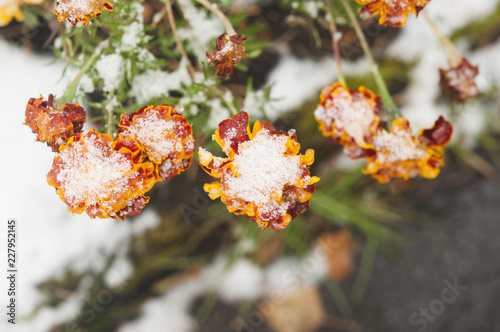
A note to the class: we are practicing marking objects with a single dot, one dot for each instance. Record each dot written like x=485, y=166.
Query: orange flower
x=459, y=81
x=339, y=248
x=90, y=175
x=401, y=154
x=349, y=117
x=54, y=126
x=263, y=177
x=230, y=50
x=11, y=9
x=392, y=12
x=164, y=136
x=80, y=10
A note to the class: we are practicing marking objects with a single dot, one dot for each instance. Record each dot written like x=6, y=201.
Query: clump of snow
x=133, y=35
x=157, y=83
x=243, y=281
x=263, y=169
x=396, y=146
x=157, y=134
x=217, y=113
x=111, y=69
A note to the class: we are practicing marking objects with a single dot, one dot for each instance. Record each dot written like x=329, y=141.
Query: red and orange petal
x=90, y=175
x=392, y=12
x=53, y=126
x=459, y=81
x=229, y=50
x=348, y=116
x=164, y=136
x=80, y=10
x=403, y=155
x=263, y=177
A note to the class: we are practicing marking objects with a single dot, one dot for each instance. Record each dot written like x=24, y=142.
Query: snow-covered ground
x=50, y=238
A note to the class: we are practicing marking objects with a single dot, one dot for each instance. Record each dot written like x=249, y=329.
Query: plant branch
x=453, y=55
x=214, y=9
x=379, y=80
x=335, y=44
x=171, y=20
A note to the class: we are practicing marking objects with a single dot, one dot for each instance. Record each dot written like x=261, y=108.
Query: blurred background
x=420, y=255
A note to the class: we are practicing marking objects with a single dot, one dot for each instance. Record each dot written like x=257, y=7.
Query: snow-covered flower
x=263, y=177
x=459, y=81
x=401, y=154
x=80, y=10
x=164, y=136
x=92, y=174
x=230, y=50
x=349, y=117
x=52, y=125
x=392, y=12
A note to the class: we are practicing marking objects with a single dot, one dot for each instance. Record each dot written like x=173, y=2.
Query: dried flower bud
x=459, y=81
x=90, y=175
x=392, y=12
x=263, y=177
x=230, y=50
x=80, y=10
x=165, y=138
x=53, y=126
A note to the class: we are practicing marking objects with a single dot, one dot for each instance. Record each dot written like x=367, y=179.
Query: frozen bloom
x=263, y=177
x=51, y=125
x=349, y=117
x=11, y=9
x=90, y=175
x=80, y=10
x=459, y=81
x=230, y=50
x=392, y=12
x=164, y=136
x=399, y=153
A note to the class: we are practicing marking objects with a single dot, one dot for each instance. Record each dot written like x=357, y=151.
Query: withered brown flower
x=459, y=81
x=230, y=50
x=392, y=12
x=54, y=126
x=263, y=177
x=80, y=10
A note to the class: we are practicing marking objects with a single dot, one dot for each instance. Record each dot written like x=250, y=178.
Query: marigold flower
x=54, y=126
x=401, y=154
x=459, y=81
x=90, y=175
x=11, y=9
x=392, y=12
x=164, y=136
x=349, y=117
x=263, y=177
x=230, y=50
x=80, y=10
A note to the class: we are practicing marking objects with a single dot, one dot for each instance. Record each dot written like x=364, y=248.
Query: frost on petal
x=263, y=177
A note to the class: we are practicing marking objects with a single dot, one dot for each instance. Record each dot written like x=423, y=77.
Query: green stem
x=366, y=267
x=379, y=80
x=335, y=44
x=69, y=94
